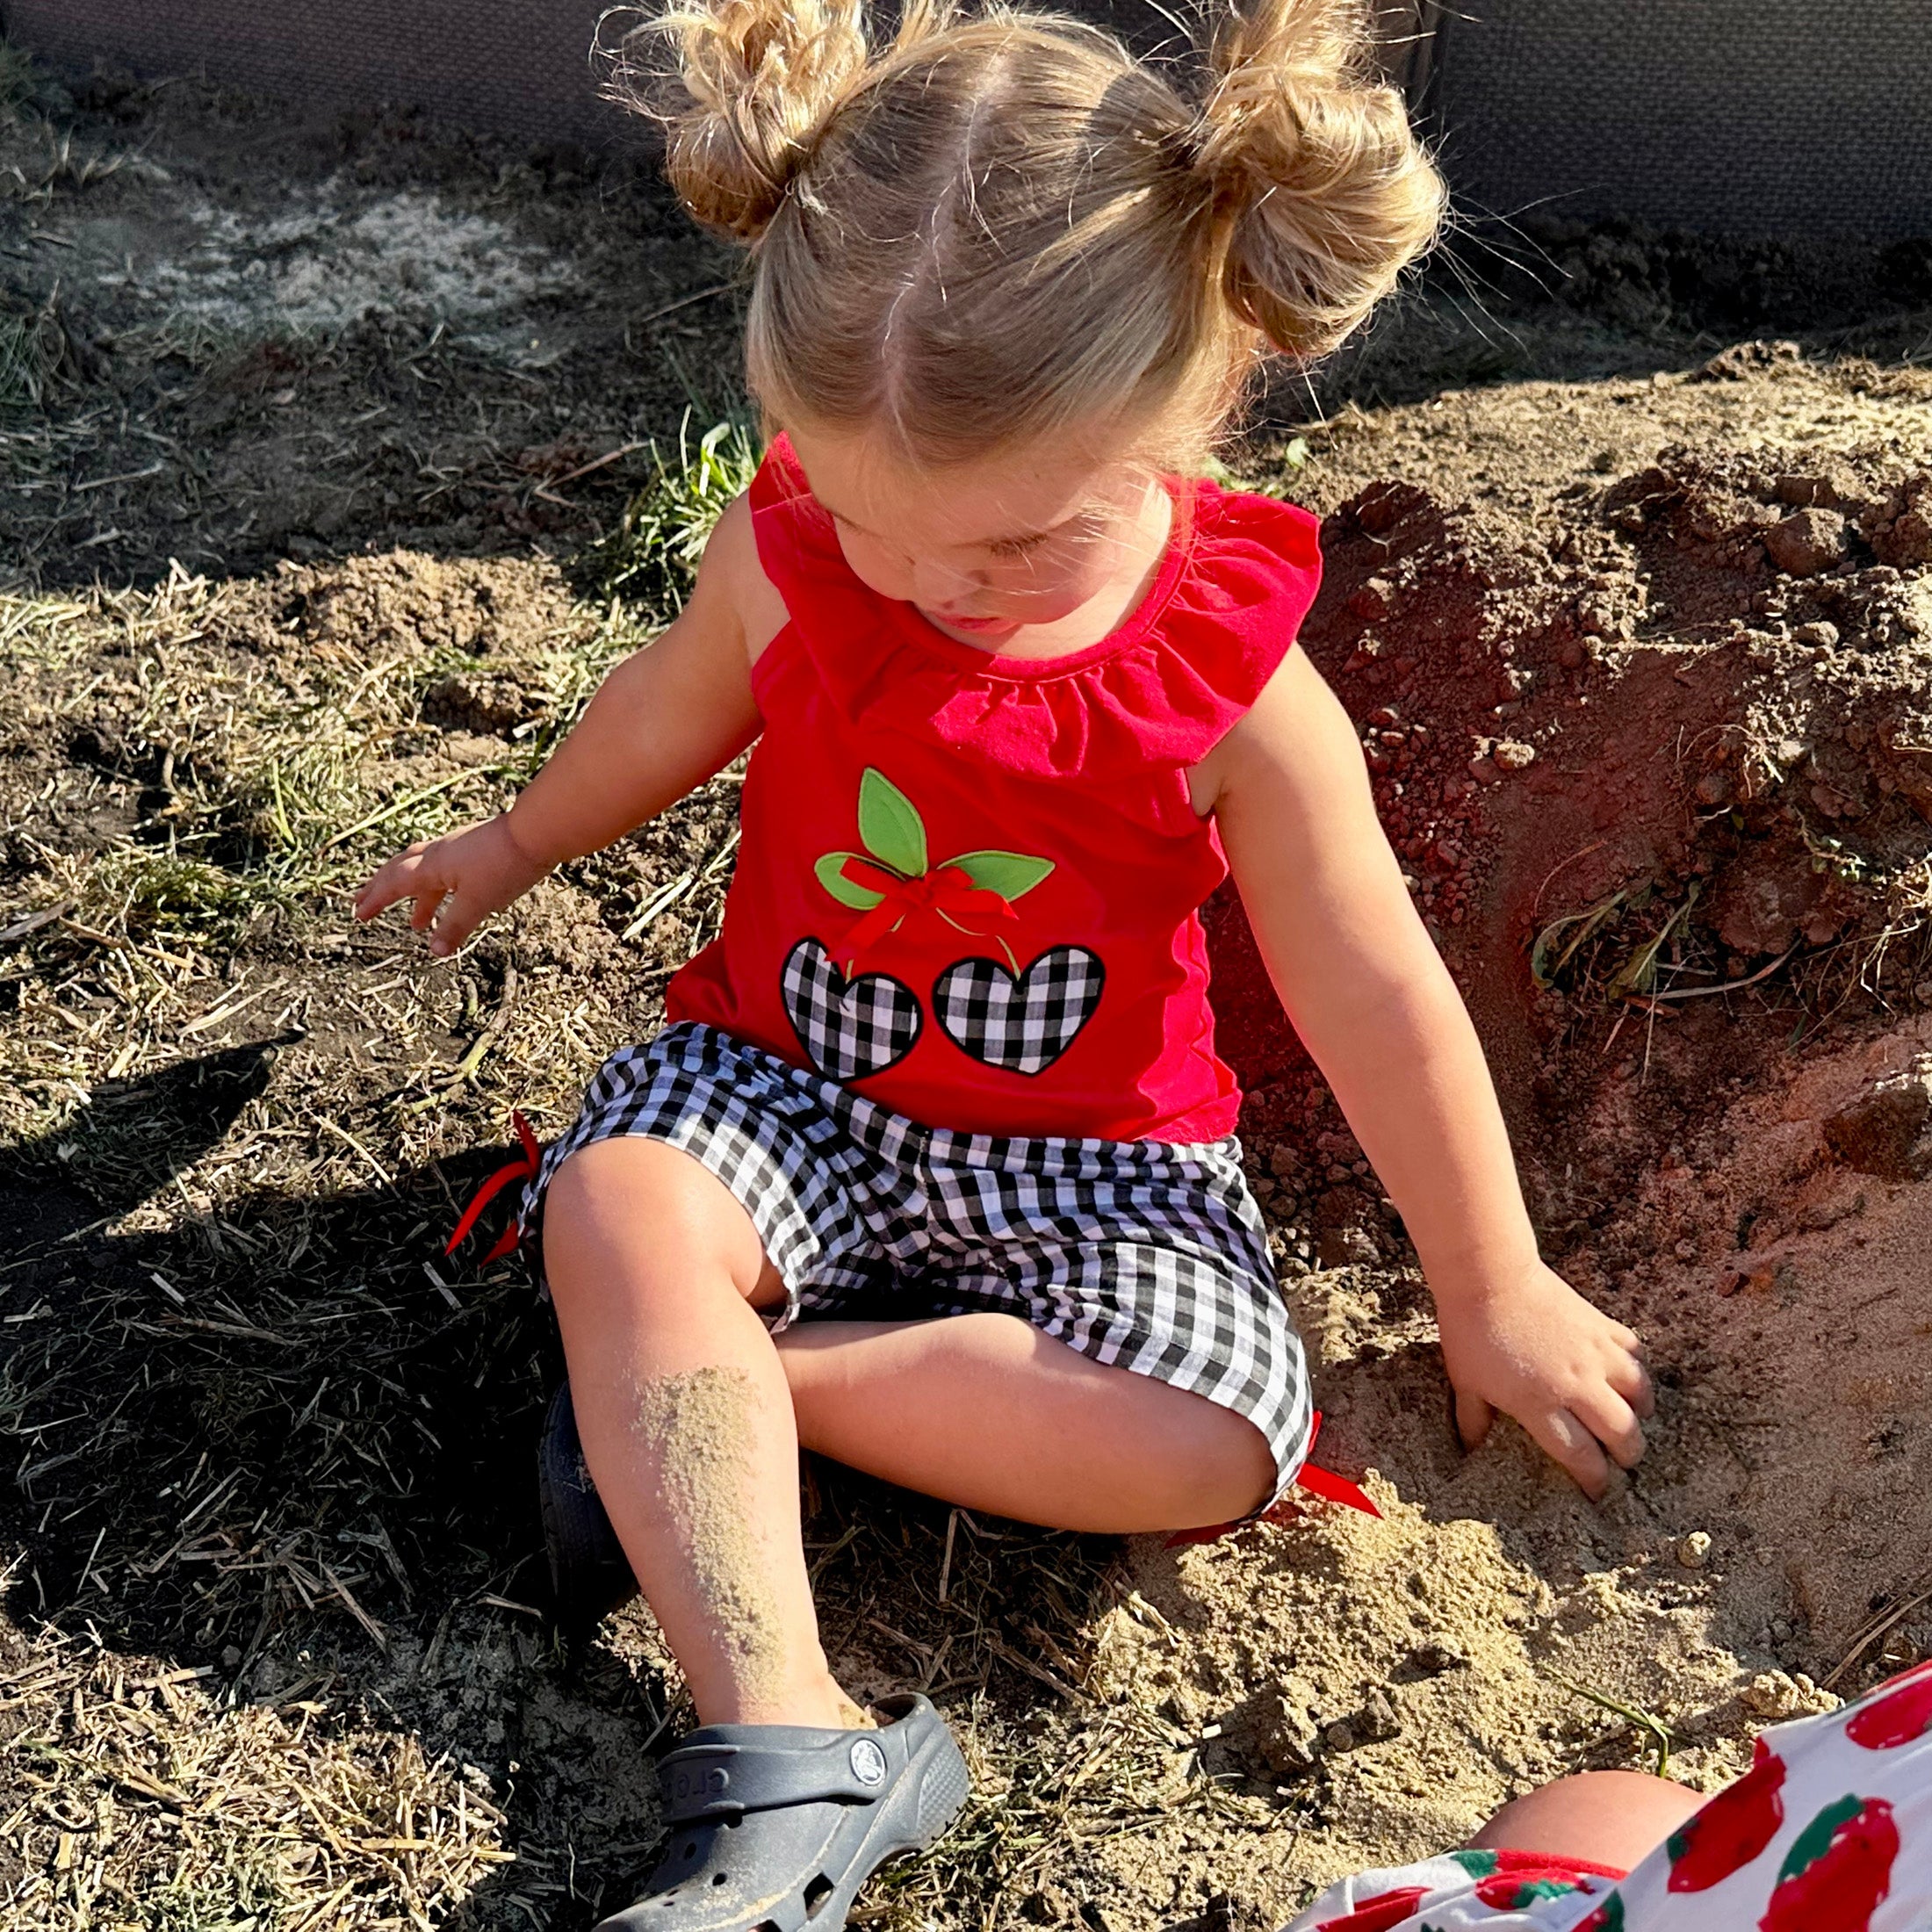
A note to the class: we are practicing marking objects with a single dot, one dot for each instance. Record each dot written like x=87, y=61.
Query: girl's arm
x=667, y=718
x=1376, y=1008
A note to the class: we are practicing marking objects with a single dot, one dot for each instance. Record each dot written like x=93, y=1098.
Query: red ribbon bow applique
x=1321, y=1482
x=947, y=889
x=521, y=1168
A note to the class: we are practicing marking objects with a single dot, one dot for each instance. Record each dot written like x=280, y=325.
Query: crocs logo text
x=867, y=1763
x=713, y=1781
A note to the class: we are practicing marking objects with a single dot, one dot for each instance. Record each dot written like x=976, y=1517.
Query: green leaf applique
x=1009, y=873
x=830, y=871
x=890, y=825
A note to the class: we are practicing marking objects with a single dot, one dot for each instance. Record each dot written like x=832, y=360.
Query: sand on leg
x=687, y=1424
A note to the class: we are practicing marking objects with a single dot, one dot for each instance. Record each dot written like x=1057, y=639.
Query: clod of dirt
x=489, y=707
x=1900, y=530
x=372, y=606
x=1806, y=542
x=1884, y=1132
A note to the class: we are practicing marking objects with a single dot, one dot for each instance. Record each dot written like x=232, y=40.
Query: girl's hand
x=467, y=875
x=1529, y=1345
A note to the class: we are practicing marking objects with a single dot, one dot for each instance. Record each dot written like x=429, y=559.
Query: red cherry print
x=1511, y=1890
x=1732, y=1829
x=1837, y=1872
x=1900, y=1715
x=1379, y=1913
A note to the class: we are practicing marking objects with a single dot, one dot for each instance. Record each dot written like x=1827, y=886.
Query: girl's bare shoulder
x=730, y=581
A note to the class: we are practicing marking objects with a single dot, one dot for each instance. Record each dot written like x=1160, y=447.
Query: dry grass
x=144, y=1802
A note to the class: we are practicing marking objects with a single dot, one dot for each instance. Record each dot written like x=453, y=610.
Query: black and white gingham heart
x=1023, y=1024
x=848, y=1027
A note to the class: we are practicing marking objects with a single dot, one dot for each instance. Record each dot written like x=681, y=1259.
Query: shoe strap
x=725, y=1777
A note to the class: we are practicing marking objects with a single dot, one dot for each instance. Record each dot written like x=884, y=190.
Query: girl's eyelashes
x=1020, y=546
x=1076, y=531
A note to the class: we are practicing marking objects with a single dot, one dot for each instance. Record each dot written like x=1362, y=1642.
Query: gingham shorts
x=1143, y=1255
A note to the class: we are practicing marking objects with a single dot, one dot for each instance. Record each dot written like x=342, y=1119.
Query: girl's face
x=988, y=549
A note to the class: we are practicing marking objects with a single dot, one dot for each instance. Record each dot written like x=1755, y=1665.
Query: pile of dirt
x=1652, y=745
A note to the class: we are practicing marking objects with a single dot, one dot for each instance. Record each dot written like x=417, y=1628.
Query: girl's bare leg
x=1606, y=1818
x=686, y=1424
x=984, y=1410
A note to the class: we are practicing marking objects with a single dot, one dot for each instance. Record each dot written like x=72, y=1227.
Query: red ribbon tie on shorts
x=1321, y=1482
x=522, y=1168
x=948, y=891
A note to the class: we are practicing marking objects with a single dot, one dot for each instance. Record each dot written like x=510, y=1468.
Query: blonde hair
x=1003, y=224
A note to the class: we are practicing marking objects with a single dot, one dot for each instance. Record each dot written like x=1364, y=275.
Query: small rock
x=1685, y=1249
x=1050, y=1905
x=1339, y=1737
x=1436, y=1658
x=1694, y=1552
x=1901, y=531
x=1884, y=1132
x=1513, y=755
x=1822, y=635
x=1287, y=1737
x=1379, y=1719
x=1772, y=1694
x=1806, y=542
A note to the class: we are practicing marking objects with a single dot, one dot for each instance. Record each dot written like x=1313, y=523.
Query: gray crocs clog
x=776, y=1825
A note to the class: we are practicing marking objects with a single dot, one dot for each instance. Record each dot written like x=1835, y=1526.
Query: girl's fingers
x=461, y=914
x=1628, y=1376
x=1474, y=1416
x=1610, y=1418
x=429, y=894
x=1567, y=1441
x=388, y=885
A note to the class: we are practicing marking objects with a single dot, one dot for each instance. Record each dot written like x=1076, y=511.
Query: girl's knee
x=1234, y=1469
x=632, y=1212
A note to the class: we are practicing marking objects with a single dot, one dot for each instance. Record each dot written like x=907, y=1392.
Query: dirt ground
x=338, y=460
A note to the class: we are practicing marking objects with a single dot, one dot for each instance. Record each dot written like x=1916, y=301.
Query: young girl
x=932, y=1169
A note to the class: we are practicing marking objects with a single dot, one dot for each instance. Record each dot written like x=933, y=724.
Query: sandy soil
x=1631, y=597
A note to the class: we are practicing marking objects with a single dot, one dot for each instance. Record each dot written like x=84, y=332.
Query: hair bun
x=750, y=85
x=1331, y=194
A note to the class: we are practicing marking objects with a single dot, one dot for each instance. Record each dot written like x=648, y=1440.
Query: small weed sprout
x=651, y=558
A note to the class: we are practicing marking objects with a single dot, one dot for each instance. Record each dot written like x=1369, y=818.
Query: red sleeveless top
x=969, y=884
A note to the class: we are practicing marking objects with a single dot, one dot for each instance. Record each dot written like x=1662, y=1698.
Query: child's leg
x=687, y=1422
x=1606, y=1818
x=986, y=1411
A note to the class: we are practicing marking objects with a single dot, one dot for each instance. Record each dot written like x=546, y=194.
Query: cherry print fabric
x=1829, y=1831
x=969, y=885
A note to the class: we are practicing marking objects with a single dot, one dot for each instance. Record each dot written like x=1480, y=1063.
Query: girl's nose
x=936, y=584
